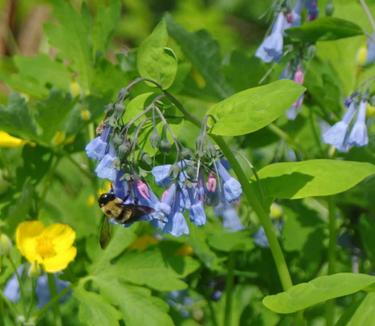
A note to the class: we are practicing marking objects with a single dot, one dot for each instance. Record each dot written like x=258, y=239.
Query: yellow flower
x=370, y=112
x=58, y=138
x=75, y=88
x=85, y=115
x=362, y=55
x=9, y=141
x=51, y=246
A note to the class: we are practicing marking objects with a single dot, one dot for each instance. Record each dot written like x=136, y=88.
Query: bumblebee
x=114, y=207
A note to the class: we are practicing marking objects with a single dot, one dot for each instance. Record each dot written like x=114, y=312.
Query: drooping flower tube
x=358, y=135
x=98, y=147
x=312, y=9
x=337, y=134
x=271, y=48
x=299, y=78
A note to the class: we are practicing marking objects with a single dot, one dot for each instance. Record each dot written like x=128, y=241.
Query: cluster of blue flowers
x=351, y=130
x=189, y=184
x=272, y=47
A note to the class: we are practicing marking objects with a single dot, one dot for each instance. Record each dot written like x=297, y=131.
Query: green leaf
x=155, y=60
x=152, y=268
x=71, y=38
x=254, y=108
x=136, y=304
x=364, y=314
x=231, y=241
x=304, y=295
x=321, y=177
x=16, y=119
x=106, y=20
x=324, y=29
x=204, y=54
x=94, y=309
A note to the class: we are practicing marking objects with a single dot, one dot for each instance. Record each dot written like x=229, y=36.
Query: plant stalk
x=229, y=290
x=330, y=312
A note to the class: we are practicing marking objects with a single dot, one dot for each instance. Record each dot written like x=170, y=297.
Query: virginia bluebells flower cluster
x=351, y=130
x=189, y=184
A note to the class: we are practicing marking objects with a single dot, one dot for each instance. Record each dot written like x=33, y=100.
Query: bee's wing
x=134, y=212
x=105, y=232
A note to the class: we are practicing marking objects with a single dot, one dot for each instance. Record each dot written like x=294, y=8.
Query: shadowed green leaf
x=254, y=108
x=231, y=241
x=295, y=180
x=304, y=295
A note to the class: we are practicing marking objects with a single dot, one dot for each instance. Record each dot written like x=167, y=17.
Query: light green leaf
x=231, y=241
x=155, y=60
x=15, y=118
x=153, y=269
x=304, y=295
x=204, y=54
x=324, y=29
x=323, y=177
x=254, y=108
x=136, y=304
x=94, y=309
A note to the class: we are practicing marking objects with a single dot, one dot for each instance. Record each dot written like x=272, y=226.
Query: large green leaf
x=204, y=54
x=16, y=119
x=304, y=295
x=94, y=309
x=155, y=60
x=136, y=304
x=322, y=177
x=254, y=108
x=152, y=268
x=324, y=29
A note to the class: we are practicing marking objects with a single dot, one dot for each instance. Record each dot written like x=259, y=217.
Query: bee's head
x=104, y=199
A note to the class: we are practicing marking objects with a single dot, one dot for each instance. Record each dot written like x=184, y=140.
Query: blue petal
x=161, y=175
x=260, y=238
x=197, y=214
x=176, y=225
x=336, y=136
x=12, y=287
x=358, y=135
x=96, y=149
x=232, y=190
x=230, y=219
x=43, y=292
x=106, y=168
x=370, y=49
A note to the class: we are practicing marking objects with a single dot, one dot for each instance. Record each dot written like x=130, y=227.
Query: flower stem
x=330, y=312
x=53, y=292
x=367, y=11
x=229, y=289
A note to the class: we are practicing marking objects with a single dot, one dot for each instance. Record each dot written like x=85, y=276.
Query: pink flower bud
x=289, y=17
x=299, y=76
x=211, y=182
x=143, y=189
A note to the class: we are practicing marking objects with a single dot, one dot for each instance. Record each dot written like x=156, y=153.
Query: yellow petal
x=9, y=141
x=59, y=262
x=26, y=235
x=62, y=236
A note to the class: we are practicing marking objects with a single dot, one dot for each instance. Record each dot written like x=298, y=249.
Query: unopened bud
x=155, y=139
x=75, y=89
x=124, y=148
x=330, y=8
x=165, y=146
x=5, y=245
x=299, y=76
x=211, y=182
x=117, y=139
x=146, y=159
x=276, y=211
x=85, y=115
x=362, y=55
x=186, y=153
